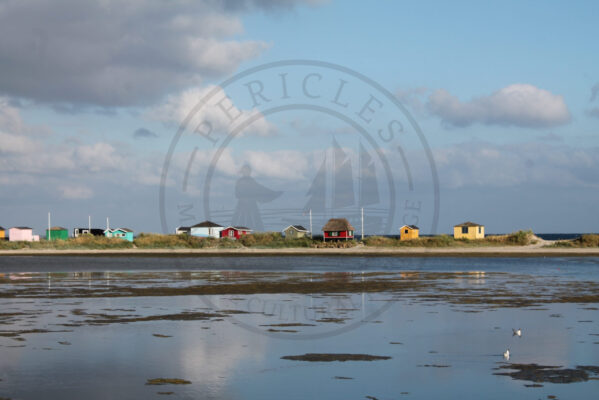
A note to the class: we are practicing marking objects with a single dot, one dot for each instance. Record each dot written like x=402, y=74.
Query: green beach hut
x=57, y=233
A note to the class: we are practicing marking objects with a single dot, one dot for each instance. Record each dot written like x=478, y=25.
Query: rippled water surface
x=101, y=328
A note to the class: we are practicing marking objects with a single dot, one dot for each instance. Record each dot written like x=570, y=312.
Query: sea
x=298, y=327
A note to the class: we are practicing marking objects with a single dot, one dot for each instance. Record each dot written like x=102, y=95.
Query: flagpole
x=49, y=229
x=362, y=223
x=311, y=224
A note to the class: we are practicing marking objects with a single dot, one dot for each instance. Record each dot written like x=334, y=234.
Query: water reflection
x=92, y=334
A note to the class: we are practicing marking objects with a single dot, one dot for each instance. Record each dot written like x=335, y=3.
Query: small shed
x=87, y=231
x=2, y=233
x=206, y=229
x=121, y=233
x=295, y=232
x=235, y=232
x=22, y=234
x=409, y=232
x=469, y=230
x=57, y=233
x=183, y=230
x=338, y=229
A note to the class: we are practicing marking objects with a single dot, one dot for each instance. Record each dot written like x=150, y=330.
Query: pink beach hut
x=22, y=234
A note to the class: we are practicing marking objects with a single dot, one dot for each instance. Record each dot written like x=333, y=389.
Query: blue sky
x=503, y=94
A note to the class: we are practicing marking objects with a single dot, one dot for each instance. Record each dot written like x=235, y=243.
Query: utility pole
x=362, y=223
x=310, y=223
x=49, y=229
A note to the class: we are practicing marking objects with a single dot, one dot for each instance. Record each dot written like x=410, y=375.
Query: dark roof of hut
x=207, y=224
x=468, y=223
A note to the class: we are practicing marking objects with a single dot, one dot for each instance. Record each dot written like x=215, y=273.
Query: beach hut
x=183, y=230
x=338, y=229
x=469, y=230
x=87, y=231
x=234, y=232
x=22, y=234
x=206, y=229
x=57, y=233
x=121, y=233
x=409, y=232
x=295, y=232
x=2, y=233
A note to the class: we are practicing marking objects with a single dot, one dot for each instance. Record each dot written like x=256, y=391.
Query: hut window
x=334, y=233
x=464, y=229
x=406, y=231
x=479, y=229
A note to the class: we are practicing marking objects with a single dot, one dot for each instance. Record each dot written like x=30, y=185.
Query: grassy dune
x=274, y=240
x=520, y=238
x=589, y=240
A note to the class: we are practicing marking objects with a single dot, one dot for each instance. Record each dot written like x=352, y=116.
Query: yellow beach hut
x=408, y=232
x=469, y=230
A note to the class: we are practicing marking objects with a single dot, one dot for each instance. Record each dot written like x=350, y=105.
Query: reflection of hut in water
x=409, y=275
x=337, y=276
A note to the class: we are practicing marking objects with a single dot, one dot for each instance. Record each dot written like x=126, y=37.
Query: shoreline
x=491, y=251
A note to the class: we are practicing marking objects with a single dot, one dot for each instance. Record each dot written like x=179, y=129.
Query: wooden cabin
x=121, y=233
x=295, y=232
x=22, y=234
x=183, y=230
x=338, y=229
x=206, y=229
x=409, y=232
x=57, y=233
x=235, y=232
x=87, y=231
x=469, y=230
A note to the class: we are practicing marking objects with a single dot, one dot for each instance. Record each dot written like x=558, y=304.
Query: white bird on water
x=517, y=332
x=506, y=355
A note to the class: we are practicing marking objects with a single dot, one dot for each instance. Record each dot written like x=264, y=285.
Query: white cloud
x=69, y=169
x=118, y=53
x=177, y=108
x=76, y=192
x=521, y=105
x=284, y=164
x=540, y=163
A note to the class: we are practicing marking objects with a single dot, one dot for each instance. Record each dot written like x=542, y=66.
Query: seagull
x=506, y=355
x=517, y=332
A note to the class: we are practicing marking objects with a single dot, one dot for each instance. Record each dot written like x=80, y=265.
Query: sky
x=105, y=108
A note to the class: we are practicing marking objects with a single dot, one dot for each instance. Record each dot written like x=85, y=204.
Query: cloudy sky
x=93, y=93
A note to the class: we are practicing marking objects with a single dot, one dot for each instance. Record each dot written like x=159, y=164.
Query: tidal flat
x=351, y=328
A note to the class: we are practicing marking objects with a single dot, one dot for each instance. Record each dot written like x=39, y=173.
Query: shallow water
x=444, y=331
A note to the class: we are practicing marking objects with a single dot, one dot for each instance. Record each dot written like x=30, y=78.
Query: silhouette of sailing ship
x=335, y=191
x=333, y=194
